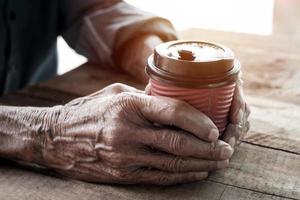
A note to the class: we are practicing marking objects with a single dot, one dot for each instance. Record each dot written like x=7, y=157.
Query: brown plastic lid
x=193, y=64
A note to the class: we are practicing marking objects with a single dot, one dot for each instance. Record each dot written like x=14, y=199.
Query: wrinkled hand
x=121, y=135
x=239, y=114
x=238, y=118
x=135, y=53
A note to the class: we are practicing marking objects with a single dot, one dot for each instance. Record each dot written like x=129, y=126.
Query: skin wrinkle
x=167, y=108
x=72, y=138
x=28, y=129
x=145, y=102
x=84, y=146
x=101, y=171
x=175, y=163
x=106, y=138
x=177, y=143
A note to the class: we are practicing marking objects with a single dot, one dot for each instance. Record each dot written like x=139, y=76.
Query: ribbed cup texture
x=213, y=102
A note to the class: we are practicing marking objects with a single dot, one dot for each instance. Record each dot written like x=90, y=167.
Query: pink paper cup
x=213, y=102
x=200, y=73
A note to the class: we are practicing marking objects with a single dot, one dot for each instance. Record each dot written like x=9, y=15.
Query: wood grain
x=265, y=166
x=263, y=169
x=16, y=184
x=274, y=124
x=255, y=173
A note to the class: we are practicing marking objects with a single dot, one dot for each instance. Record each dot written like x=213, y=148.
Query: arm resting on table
x=22, y=131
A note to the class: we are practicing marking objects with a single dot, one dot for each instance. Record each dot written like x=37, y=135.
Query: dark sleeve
x=97, y=28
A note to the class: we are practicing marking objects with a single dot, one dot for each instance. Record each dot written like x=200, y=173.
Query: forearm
x=137, y=49
x=22, y=131
x=99, y=34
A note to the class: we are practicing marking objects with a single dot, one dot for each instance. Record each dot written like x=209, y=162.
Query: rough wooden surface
x=25, y=184
x=265, y=166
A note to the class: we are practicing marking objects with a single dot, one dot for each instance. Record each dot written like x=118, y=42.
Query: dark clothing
x=94, y=28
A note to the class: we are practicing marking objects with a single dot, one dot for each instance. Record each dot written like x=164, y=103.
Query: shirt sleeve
x=98, y=28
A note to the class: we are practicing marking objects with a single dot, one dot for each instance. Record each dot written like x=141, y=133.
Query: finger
x=232, y=135
x=181, y=143
x=238, y=105
x=239, y=114
x=157, y=177
x=116, y=88
x=247, y=111
x=148, y=89
x=172, y=112
x=172, y=163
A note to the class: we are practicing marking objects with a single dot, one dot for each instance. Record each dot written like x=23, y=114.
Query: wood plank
x=243, y=173
x=272, y=141
x=88, y=79
x=274, y=124
x=272, y=80
x=278, y=175
x=23, y=100
x=17, y=183
x=43, y=92
x=38, y=96
x=262, y=169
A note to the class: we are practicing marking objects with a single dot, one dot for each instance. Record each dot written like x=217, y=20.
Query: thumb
x=148, y=89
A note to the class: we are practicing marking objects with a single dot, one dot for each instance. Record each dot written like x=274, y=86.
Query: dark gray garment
x=28, y=32
x=94, y=28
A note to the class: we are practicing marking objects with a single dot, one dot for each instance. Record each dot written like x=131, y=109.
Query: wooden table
x=265, y=166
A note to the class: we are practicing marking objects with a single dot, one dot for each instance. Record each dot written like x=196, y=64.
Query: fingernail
x=213, y=134
x=226, y=152
x=223, y=164
x=232, y=141
x=241, y=114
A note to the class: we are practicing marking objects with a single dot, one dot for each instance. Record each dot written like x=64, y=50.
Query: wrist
x=133, y=55
x=23, y=132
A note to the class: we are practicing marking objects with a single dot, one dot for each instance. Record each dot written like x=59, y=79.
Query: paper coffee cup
x=201, y=73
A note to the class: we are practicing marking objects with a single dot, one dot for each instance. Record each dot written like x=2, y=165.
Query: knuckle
x=117, y=87
x=113, y=138
x=121, y=174
x=122, y=97
x=117, y=160
x=126, y=99
x=177, y=144
x=163, y=180
x=176, y=164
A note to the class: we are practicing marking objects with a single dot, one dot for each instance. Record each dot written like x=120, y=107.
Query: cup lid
x=193, y=61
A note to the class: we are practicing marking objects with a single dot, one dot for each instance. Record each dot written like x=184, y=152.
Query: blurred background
x=245, y=16
x=264, y=34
